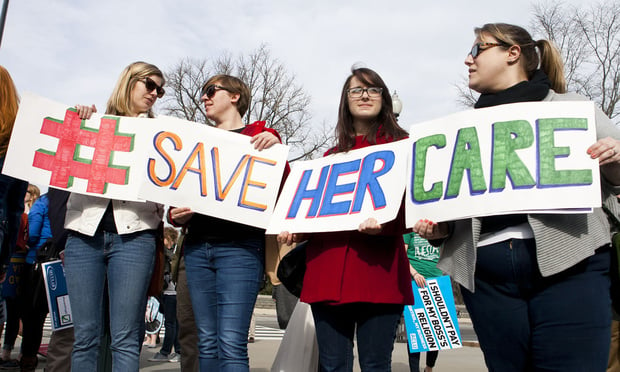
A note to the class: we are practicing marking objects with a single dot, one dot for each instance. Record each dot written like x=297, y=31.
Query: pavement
x=263, y=351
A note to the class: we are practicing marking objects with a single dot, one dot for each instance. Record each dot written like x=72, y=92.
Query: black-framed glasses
x=211, y=89
x=359, y=92
x=151, y=85
x=477, y=48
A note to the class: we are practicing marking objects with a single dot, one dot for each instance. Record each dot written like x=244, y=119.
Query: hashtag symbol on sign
x=66, y=163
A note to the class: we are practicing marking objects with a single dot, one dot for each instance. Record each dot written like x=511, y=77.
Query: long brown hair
x=385, y=124
x=550, y=60
x=9, y=102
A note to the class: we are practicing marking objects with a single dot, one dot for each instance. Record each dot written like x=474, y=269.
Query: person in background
x=171, y=336
x=536, y=285
x=12, y=190
x=423, y=258
x=224, y=260
x=12, y=288
x=113, y=242
x=358, y=282
x=31, y=301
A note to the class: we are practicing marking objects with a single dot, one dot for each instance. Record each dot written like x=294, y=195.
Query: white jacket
x=84, y=213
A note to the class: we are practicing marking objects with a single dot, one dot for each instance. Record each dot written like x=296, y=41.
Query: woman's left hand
x=606, y=150
x=370, y=227
x=264, y=140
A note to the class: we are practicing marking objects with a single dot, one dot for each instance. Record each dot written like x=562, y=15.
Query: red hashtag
x=65, y=162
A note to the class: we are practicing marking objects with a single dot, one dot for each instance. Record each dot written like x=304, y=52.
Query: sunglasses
x=151, y=85
x=210, y=90
x=477, y=48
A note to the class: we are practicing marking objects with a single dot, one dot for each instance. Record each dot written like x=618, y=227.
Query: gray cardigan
x=561, y=240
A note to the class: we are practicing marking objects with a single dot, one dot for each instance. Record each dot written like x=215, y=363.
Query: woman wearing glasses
x=224, y=260
x=113, y=241
x=358, y=281
x=539, y=296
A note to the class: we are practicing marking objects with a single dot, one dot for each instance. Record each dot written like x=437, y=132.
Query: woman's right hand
x=430, y=230
x=181, y=216
x=85, y=112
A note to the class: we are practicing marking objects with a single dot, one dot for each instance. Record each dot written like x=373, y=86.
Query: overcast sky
x=73, y=51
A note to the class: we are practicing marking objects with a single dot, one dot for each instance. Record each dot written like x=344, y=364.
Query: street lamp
x=397, y=105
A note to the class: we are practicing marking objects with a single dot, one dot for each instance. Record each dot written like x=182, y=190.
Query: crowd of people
x=519, y=273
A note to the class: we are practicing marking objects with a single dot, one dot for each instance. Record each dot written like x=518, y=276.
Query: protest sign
x=518, y=157
x=57, y=295
x=431, y=323
x=340, y=191
x=212, y=171
x=165, y=160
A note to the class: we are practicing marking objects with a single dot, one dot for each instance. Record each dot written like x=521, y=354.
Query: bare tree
x=276, y=97
x=589, y=40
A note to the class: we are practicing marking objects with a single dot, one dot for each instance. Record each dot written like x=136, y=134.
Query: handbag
x=292, y=269
x=299, y=350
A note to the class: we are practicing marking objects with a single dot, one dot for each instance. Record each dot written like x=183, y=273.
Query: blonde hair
x=120, y=100
x=9, y=103
x=34, y=194
x=550, y=60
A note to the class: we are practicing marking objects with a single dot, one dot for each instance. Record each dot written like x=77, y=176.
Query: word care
x=518, y=157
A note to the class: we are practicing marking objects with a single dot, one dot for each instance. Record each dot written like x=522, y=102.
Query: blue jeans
x=223, y=281
x=376, y=331
x=126, y=261
x=526, y=322
x=171, y=337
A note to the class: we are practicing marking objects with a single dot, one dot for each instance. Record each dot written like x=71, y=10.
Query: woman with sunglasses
x=224, y=260
x=358, y=281
x=113, y=242
x=539, y=295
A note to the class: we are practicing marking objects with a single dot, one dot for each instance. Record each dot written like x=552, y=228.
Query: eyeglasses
x=477, y=48
x=151, y=85
x=359, y=92
x=210, y=90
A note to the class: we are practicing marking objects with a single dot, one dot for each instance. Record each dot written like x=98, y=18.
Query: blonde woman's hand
x=430, y=230
x=264, y=140
x=370, y=227
x=85, y=112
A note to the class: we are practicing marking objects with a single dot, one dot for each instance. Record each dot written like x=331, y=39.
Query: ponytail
x=551, y=63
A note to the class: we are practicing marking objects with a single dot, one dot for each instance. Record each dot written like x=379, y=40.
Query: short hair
x=235, y=86
x=119, y=102
x=9, y=103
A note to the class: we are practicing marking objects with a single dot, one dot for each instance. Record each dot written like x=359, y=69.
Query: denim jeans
x=126, y=261
x=375, y=325
x=526, y=322
x=171, y=337
x=223, y=281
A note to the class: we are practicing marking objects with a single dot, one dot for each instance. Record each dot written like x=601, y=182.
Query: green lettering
x=509, y=136
x=420, y=149
x=466, y=157
x=548, y=152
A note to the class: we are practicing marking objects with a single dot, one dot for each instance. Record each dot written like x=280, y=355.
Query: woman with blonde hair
x=535, y=285
x=113, y=242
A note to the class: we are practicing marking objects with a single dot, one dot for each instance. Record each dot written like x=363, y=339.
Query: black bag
x=292, y=269
x=46, y=253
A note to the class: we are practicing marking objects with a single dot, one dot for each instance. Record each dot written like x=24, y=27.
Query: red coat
x=348, y=266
